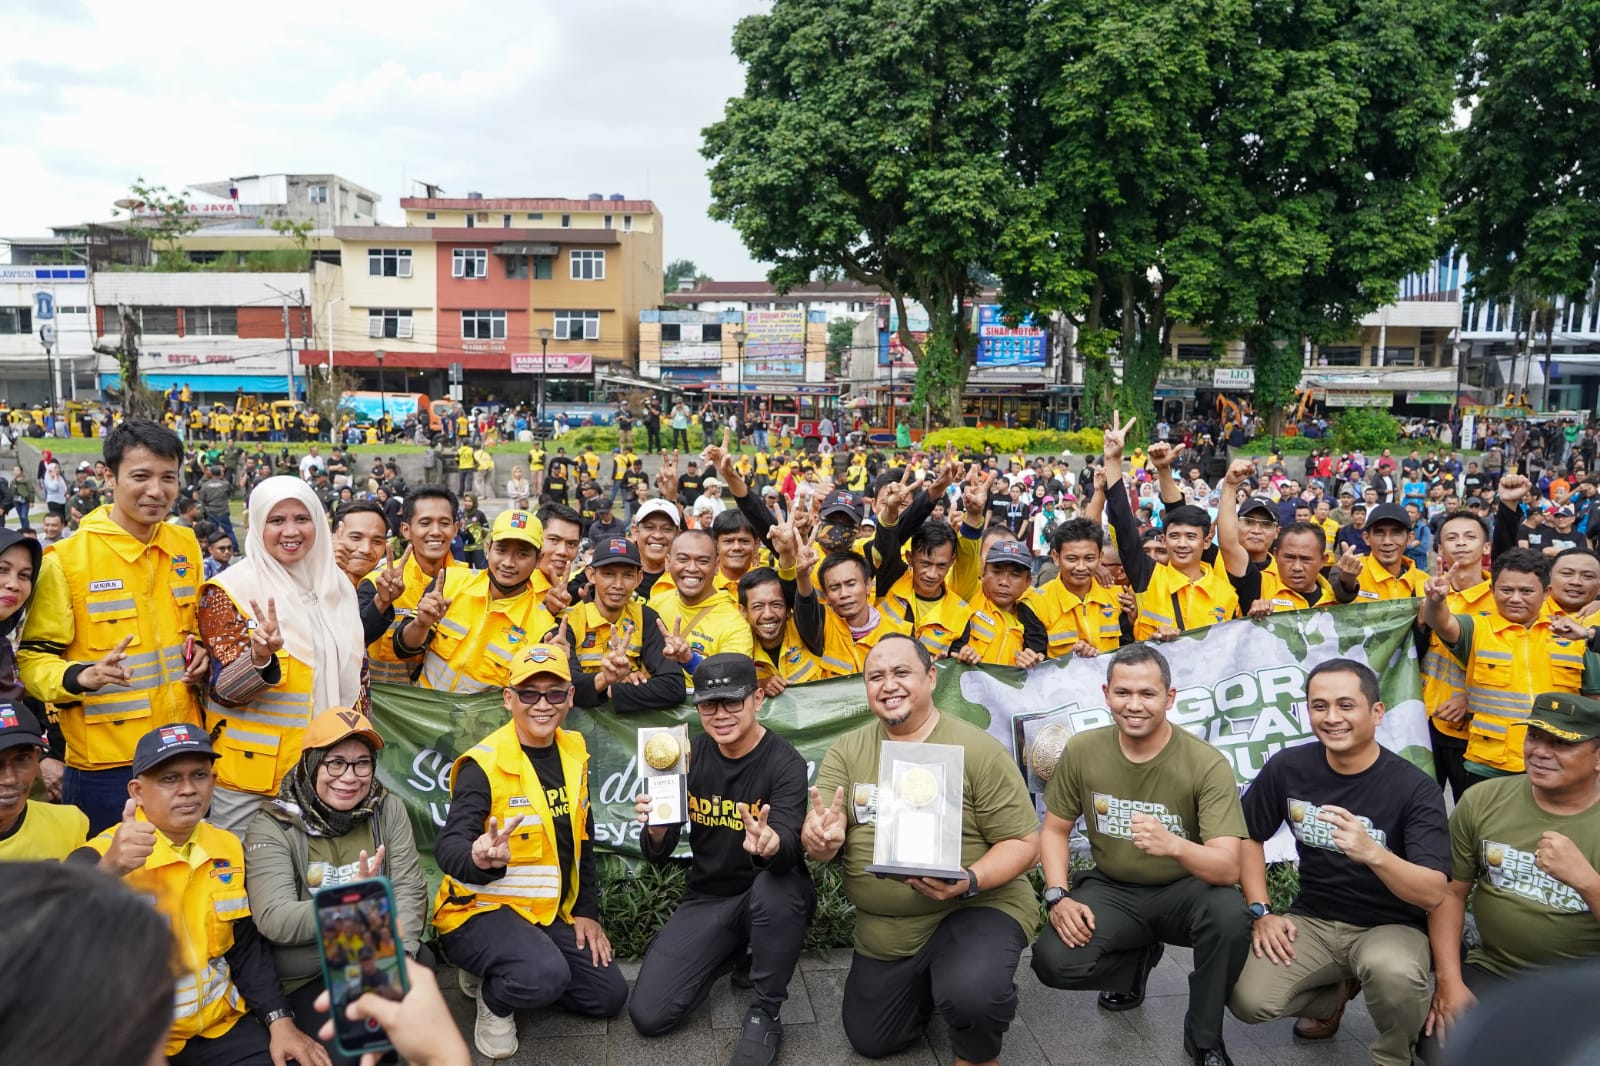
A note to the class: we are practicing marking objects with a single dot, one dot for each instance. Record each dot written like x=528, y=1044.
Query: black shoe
x=1130, y=1000
x=739, y=978
x=759, y=1040
x=1211, y=1056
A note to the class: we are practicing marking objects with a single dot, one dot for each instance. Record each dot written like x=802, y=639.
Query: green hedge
x=635, y=903
x=1006, y=441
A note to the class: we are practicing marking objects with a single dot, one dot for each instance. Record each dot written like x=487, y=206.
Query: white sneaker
x=468, y=984
x=496, y=1037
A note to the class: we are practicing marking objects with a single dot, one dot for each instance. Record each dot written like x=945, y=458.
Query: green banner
x=1241, y=686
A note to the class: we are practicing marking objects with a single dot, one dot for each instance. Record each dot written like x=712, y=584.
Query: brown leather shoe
x=1325, y=1028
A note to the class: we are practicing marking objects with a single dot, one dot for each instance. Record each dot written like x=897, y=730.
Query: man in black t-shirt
x=1374, y=849
x=748, y=887
x=690, y=485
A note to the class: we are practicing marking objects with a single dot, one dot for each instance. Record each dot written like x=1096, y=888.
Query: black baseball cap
x=1009, y=552
x=726, y=676
x=612, y=550
x=842, y=501
x=168, y=742
x=1259, y=503
x=1388, y=512
x=19, y=728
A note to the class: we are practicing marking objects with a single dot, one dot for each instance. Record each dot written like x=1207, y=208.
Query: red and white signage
x=557, y=363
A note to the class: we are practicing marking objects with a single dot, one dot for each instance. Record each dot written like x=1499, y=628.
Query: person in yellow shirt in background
x=842, y=634
x=618, y=648
x=697, y=618
x=1384, y=573
x=466, y=467
x=469, y=641
x=483, y=472
x=229, y=1006
x=1002, y=629
x=1080, y=616
x=111, y=637
x=1509, y=655
x=31, y=831
x=591, y=463
x=1462, y=537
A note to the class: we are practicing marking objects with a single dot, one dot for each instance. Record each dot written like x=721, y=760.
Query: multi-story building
x=503, y=287
x=835, y=299
x=45, y=296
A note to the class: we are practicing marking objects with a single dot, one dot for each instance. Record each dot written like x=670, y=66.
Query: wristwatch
x=972, y=884
x=1259, y=911
x=281, y=1012
x=1053, y=895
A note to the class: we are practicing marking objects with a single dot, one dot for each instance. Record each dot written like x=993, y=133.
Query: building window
x=471, y=223
x=389, y=262
x=535, y=216
x=711, y=332
x=517, y=267
x=1339, y=356
x=469, y=262
x=544, y=267
x=15, y=320
x=577, y=325
x=506, y=221
x=627, y=223
x=211, y=321
x=483, y=325
x=671, y=333
x=431, y=215
x=1195, y=353
x=364, y=206
x=317, y=194
x=588, y=266
x=72, y=310
x=1399, y=357
x=163, y=320
x=607, y=224
x=566, y=221
x=389, y=322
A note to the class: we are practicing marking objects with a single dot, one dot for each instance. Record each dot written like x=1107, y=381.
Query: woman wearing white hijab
x=284, y=633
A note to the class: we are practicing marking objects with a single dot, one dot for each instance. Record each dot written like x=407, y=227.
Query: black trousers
x=1129, y=918
x=965, y=972
x=525, y=966
x=706, y=935
x=1450, y=762
x=246, y=1044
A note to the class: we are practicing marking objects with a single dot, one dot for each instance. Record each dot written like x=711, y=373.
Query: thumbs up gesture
x=132, y=843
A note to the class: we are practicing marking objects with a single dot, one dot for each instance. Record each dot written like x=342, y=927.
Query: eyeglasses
x=554, y=697
x=712, y=708
x=336, y=767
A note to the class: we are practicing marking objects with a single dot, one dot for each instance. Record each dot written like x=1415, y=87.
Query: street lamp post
x=328, y=318
x=538, y=399
x=383, y=395
x=739, y=337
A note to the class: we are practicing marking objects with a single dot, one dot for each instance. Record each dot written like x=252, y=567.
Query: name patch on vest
x=519, y=801
x=109, y=585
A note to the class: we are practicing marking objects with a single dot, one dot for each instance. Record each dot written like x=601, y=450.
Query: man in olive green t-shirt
x=926, y=945
x=1161, y=811
x=1526, y=850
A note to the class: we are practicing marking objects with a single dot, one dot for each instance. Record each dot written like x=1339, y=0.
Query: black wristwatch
x=1053, y=895
x=277, y=1015
x=972, y=884
x=1259, y=911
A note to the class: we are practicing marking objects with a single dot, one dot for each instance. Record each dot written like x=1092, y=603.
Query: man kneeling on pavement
x=748, y=887
x=1374, y=858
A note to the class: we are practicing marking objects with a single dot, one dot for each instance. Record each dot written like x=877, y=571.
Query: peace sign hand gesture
x=492, y=850
x=108, y=669
x=893, y=497
x=674, y=646
x=266, y=640
x=1116, y=435
x=760, y=839
x=823, y=832
x=390, y=582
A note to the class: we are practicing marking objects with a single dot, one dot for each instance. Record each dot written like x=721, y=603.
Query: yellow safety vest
x=382, y=663
x=592, y=634
x=792, y=660
x=1283, y=598
x=117, y=586
x=842, y=653
x=994, y=634
x=199, y=889
x=935, y=623
x=261, y=742
x=1376, y=583
x=476, y=641
x=1205, y=602
x=531, y=885
x=1508, y=666
x=1442, y=676
x=1096, y=618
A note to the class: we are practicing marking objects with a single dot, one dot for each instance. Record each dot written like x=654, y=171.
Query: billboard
x=1002, y=345
x=775, y=344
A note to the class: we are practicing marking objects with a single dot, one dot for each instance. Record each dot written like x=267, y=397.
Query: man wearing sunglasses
x=748, y=887
x=519, y=907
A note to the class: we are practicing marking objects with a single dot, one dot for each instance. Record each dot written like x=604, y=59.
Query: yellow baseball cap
x=340, y=723
x=540, y=659
x=518, y=525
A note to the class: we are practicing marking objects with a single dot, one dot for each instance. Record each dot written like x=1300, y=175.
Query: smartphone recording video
x=361, y=953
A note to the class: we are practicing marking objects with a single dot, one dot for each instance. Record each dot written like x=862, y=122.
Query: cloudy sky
x=504, y=97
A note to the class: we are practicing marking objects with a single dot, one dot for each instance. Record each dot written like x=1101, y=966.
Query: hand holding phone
x=361, y=951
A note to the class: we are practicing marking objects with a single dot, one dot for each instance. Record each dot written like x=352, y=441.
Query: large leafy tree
x=1265, y=172
x=1524, y=197
x=875, y=137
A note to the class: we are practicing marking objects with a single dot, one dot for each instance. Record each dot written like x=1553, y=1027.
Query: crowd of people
x=202, y=726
